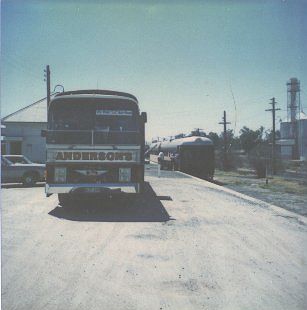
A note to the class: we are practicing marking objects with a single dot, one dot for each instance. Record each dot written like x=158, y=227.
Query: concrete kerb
x=278, y=210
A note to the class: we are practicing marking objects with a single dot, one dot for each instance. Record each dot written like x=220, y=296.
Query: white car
x=19, y=169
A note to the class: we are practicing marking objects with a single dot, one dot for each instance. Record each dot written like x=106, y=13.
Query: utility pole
x=47, y=79
x=274, y=134
x=225, y=159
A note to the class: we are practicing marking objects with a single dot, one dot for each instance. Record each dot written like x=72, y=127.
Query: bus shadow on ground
x=144, y=208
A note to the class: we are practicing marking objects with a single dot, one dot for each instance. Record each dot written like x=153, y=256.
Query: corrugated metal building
x=302, y=136
x=287, y=143
x=21, y=131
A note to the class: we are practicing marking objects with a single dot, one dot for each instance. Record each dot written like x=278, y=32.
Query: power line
x=21, y=65
x=25, y=72
x=225, y=158
x=47, y=76
x=235, y=105
x=273, y=110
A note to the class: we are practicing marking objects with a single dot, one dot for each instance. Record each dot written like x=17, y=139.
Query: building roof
x=302, y=115
x=33, y=113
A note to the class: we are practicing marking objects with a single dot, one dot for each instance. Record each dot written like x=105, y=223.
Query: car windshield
x=18, y=160
x=4, y=161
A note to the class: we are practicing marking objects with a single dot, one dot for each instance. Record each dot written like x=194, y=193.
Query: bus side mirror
x=144, y=117
x=44, y=133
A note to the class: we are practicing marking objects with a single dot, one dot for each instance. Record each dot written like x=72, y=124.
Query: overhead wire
x=24, y=66
x=235, y=107
x=27, y=72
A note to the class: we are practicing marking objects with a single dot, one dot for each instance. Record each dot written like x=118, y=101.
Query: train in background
x=192, y=154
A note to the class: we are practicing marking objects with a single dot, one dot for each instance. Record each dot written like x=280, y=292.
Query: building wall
x=302, y=129
x=286, y=151
x=33, y=145
x=286, y=132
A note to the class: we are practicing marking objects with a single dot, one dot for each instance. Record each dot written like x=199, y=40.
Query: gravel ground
x=288, y=193
x=186, y=244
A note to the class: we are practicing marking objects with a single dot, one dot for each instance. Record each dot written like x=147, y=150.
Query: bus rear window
x=92, y=116
x=115, y=120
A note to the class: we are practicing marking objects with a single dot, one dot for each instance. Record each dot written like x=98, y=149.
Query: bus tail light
x=60, y=174
x=124, y=174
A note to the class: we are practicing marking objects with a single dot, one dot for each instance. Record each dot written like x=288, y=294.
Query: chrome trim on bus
x=98, y=96
x=96, y=147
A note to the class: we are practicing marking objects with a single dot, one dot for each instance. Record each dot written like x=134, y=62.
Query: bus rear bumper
x=92, y=188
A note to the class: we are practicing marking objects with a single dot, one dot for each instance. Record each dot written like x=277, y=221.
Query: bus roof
x=97, y=92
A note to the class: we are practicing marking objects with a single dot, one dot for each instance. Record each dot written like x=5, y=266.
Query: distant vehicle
x=191, y=154
x=19, y=169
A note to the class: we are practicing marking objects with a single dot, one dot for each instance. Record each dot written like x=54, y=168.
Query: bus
x=95, y=142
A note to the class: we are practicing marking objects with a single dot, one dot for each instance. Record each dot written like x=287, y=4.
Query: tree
x=218, y=140
x=269, y=135
x=250, y=138
x=215, y=139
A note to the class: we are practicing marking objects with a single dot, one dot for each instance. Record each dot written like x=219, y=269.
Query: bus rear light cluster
x=124, y=174
x=60, y=174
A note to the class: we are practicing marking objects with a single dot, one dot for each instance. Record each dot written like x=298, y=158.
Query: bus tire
x=64, y=200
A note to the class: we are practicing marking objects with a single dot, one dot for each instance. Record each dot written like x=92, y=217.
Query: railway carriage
x=193, y=155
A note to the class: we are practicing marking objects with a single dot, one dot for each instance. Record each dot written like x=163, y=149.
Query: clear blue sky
x=178, y=57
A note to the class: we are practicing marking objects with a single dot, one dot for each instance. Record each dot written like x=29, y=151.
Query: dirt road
x=185, y=245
